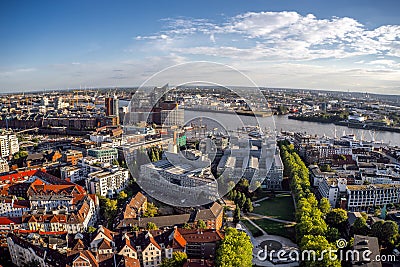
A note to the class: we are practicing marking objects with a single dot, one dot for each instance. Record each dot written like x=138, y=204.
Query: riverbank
x=367, y=126
x=348, y=124
x=234, y=112
x=282, y=123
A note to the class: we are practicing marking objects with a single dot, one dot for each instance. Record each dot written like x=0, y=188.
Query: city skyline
x=296, y=44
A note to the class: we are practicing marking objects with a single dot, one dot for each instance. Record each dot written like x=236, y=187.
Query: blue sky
x=300, y=43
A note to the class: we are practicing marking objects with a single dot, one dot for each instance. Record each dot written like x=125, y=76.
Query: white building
x=80, y=171
x=8, y=145
x=150, y=253
x=44, y=101
x=77, y=220
x=172, y=117
x=176, y=175
x=360, y=197
x=274, y=177
x=22, y=252
x=4, y=166
x=13, y=207
x=60, y=104
x=331, y=188
x=252, y=159
x=104, y=154
x=108, y=182
x=51, y=202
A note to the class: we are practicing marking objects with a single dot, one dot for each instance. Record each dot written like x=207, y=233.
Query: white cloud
x=385, y=63
x=276, y=49
x=337, y=52
x=282, y=35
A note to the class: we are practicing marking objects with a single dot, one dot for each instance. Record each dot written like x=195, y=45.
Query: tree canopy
x=201, y=224
x=177, y=260
x=235, y=250
x=336, y=217
x=151, y=210
x=151, y=226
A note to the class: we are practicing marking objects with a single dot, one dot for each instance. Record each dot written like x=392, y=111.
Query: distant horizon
x=341, y=45
x=135, y=87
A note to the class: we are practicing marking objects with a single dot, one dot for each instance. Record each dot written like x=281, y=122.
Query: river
x=282, y=123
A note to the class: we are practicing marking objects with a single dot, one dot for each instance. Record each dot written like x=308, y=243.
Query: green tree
x=248, y=206
x=151, y=226
x=326, y=168
x=186, y=226
x=123, y=164
x=360, y=226
x=244, y=183
x=377, y=212
x=377, y=230
x=122, y=195
x=332, y=234
x=385, y=231
x=201, y=224
x=115, y=162
x=318, y=244
x=234, y=194
x=135, y=228
x=177, y=260
x=324, y=206
x=235, y=250
x=240, y=202
x=236, y=214
x=238, y=197
x=91, y=229
x=364, y=215
x=282, y=109
x=336, y=217
x=110, y=210
x=390, y=232
x=229, y=195
x=151, y=210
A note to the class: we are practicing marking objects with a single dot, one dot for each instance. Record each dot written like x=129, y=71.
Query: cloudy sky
x=291, y=44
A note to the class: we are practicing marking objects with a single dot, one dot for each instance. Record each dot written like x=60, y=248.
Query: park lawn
x=254, y=231
x=279, y=207
x=277, y=228
x=259, y=194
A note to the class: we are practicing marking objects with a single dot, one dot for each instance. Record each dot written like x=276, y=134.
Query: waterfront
x=282, y=123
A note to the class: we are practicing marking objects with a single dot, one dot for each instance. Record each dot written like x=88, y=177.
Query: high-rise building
x=109, y=107
x=44, y=101
x=111, y=104
x=60, y=104
x=108, y=182
x=8, y=145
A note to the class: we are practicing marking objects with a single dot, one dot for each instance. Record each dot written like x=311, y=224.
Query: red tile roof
x=201, y=236
x=107, y=232
x=6, y=221
x=131, y=262
x=19, y=176
x=179, y=239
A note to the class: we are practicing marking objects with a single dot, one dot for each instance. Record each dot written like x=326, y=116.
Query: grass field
x=254, y=231
x=280, y=207
x=260, y=194
x=277, y=228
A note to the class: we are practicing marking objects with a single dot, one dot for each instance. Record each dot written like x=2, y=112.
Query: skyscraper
x=111, y=104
